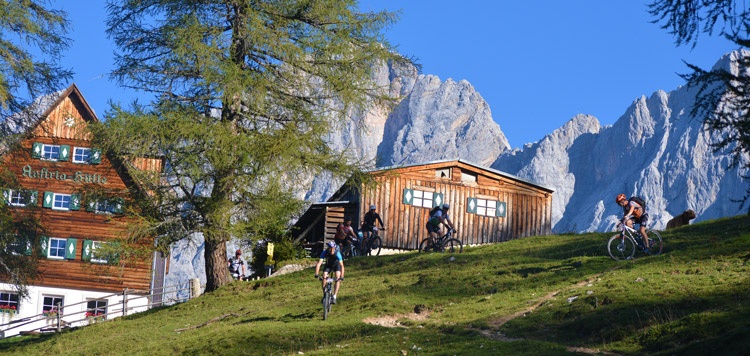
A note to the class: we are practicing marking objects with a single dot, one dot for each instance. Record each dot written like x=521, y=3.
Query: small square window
x=9, y=302
x=96, y=308
x=61, y=202
x=56, y=248
x=50, y=303
x=81, y=155
x=51, y=152
x=18, y=197
x=99, y=257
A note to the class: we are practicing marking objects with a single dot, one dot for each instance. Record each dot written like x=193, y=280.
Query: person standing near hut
x=368, y=223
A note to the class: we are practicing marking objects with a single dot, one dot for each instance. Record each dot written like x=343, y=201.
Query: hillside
x=537, y=296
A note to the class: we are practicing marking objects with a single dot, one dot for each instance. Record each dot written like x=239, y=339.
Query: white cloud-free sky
x=536, y=62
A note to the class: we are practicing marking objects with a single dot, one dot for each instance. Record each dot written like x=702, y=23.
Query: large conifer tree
x=32, y=39
x=245, y=92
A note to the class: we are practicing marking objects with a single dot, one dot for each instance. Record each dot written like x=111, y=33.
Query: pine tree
x=245, y=93
x=723, y=94
x=32, y=38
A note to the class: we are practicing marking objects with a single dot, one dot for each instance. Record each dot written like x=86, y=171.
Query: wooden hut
x=76, y=193
x=487, y=205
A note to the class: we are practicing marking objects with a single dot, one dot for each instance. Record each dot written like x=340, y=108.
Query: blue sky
x=537, y=63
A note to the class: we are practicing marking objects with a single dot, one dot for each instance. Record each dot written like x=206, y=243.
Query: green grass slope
x=545, y=295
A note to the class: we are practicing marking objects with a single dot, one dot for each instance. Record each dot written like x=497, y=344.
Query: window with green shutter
x=20, y=198
x=485, y=207
x=422, y=198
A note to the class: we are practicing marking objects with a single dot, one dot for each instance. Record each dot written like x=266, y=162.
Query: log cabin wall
x=526, y=207
x=64, y=126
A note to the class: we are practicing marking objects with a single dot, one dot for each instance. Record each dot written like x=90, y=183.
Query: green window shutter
x=118, y=203
x=27, y=246
x=33, y=196
x=6, y=196
x=96, y=156
x=408, y=196
x=91, y=204
x=471, y=205
x=500, y=211
x=88, y=245
x=437, y=199
x=36, y=150
x=44, y=245
x=113, y=258
x=64, y=153
x=75, y=202
x=48, y=199
x=70, y=248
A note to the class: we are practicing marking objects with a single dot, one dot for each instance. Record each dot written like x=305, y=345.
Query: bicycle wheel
x=425, y=245
x=375, y=244
x=620, y=248
x=326, y=304
x=453, y=245
x=656, y=244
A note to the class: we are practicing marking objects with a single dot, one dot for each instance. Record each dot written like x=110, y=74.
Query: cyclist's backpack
x=434, y=210
x=640, y=202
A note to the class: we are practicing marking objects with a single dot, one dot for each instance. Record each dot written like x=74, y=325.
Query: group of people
x=333, y=262
x=634, y=211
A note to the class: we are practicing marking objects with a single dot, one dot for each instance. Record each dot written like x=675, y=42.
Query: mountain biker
x=440, y=216
x=368, y=222
x=344, y=233
x=333, y=263
x=634, y=213
x=237, y=265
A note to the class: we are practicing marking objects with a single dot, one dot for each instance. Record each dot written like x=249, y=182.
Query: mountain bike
x=361, y=247
x=327, y=296
x=371, y=246
x=623, y=245
x=445, y=243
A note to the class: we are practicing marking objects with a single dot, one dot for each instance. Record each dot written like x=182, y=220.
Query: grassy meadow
x=548, y=295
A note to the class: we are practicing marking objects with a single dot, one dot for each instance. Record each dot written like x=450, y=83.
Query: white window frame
x=60, y=205
x=423, y=198
x=47, y=307
x=17, y=198
x=6, y=298
x=57, y=248
x=45, y=153
x=85, y=152
x=105, y=206
x=17, y=246
x=94, y=246
x=97, y=307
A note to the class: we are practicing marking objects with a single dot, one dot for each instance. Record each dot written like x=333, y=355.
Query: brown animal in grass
x=682, y=219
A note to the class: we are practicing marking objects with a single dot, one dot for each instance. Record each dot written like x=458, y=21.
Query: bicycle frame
x=623, y=245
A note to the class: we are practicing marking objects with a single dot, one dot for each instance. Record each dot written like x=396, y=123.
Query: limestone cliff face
x=431, y=120
x=656, y=150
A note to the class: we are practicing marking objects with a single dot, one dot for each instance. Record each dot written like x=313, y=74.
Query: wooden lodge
x=58, y=171
x=486, y=205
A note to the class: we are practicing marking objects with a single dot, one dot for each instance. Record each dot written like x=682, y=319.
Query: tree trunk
x=215, y=255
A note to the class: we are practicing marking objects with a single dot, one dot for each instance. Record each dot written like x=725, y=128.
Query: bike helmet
x=372, y=207
x=331, y=244
x=620, y=197
x=348, y=218
x=446, y=206
x=239, y=252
